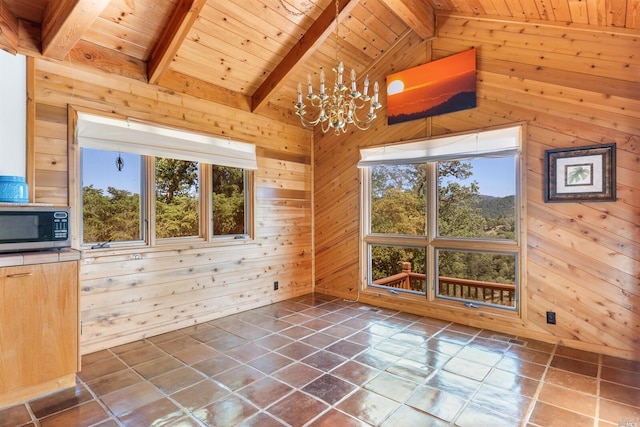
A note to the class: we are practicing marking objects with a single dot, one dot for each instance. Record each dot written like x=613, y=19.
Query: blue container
x=13, y=189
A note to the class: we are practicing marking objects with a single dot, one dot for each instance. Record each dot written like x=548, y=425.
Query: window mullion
x=432, y=228
x=150, y=199
x=206, y=202
x=365, y=228
x=249, y=202
x=396, y=240
x=475, y=245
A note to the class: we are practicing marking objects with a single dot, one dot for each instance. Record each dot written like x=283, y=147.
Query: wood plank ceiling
x=250, y=54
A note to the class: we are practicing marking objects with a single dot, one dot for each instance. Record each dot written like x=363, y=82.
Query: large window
x=443, y=223
x=135, y=188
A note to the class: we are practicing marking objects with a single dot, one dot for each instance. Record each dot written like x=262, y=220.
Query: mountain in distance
x=458, y=102
x=495, y=207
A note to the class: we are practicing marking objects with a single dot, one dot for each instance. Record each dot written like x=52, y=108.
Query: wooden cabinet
x=39, y=329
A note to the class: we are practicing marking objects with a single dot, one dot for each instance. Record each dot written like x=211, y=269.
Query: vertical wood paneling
x=583, y=259
x=130, y=294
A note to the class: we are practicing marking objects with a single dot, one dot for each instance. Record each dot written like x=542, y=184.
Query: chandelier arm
x=361, y=124
x=337, y=108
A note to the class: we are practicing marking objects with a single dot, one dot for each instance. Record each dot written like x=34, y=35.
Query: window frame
x=248, y=185
x=144, y=206
x=432, y=243
x=150, y=162
x=148, y=203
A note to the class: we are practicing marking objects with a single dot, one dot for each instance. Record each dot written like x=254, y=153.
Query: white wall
x=13, y=114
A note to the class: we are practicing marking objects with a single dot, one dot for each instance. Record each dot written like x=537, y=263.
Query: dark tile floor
x=321, y=361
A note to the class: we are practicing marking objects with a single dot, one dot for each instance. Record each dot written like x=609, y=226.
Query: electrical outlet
x=551, y=317
x=275, y=285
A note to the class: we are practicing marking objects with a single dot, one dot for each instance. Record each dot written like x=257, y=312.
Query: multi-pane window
x=142, y=183
x=445, y=228
x=114, y=198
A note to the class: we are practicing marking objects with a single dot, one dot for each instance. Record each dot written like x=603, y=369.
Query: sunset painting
x=435, y=88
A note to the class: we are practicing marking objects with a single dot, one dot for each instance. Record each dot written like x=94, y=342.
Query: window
x=440, y=219
x=112, y=200
x=177, y=198
x=229, y=201
x=135, y=188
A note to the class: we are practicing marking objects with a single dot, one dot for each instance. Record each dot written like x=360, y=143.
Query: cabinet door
x=38, y=323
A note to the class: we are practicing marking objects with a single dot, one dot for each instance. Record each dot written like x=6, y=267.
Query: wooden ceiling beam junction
x=8, y=30
x=417, y=14
x=86, y=55
x=65, y=22
x=94, y=57
x=183, y=18
x=319, y=31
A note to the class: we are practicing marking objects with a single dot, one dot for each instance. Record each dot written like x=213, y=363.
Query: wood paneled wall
x=573, y=87
x=130, y=294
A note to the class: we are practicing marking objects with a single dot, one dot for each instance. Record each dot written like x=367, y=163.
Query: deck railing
x=474, y=290
x=405, y=280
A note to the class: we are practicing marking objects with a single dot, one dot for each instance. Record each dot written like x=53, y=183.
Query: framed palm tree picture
x=583, y=174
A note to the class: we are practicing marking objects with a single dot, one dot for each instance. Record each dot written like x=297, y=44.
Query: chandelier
x=338, y=108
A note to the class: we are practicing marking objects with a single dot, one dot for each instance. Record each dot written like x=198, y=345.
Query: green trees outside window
x=459, y=213
x=228, y=201
x=114, y=198
x=110, y=216
x=177, y=198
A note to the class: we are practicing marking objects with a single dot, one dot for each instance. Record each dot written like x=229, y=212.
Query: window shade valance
x=107, y=133
x=505, y=141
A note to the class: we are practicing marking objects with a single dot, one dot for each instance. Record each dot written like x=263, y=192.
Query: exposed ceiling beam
x=8, y=29
x=29, y=40
x=319, y=31
x=417, y=14
x=184, y=15
x=65, y=22
x=178, y=82
x=86, y=55
x=90, y=56
x=96, y=57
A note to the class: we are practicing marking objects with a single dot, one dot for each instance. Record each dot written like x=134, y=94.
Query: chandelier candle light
x=338, y=108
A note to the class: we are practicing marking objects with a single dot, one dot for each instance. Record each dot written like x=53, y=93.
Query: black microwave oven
x=32, y=228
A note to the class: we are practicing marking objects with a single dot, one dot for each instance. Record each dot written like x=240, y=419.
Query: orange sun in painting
x=434, y=88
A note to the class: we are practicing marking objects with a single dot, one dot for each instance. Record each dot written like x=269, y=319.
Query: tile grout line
x=467, y=401
x=361, y=387
x=356, y=386
x=98, y=399
x=596, y=419
x=390, y=324
x=147, y=380
x=536, y=395
x=422, y=383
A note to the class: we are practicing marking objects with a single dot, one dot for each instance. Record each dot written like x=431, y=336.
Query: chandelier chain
x=336, y=108
x=338, y=45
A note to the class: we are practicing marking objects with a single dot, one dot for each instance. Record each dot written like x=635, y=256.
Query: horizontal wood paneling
x=130, y=294
x=583, y=259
